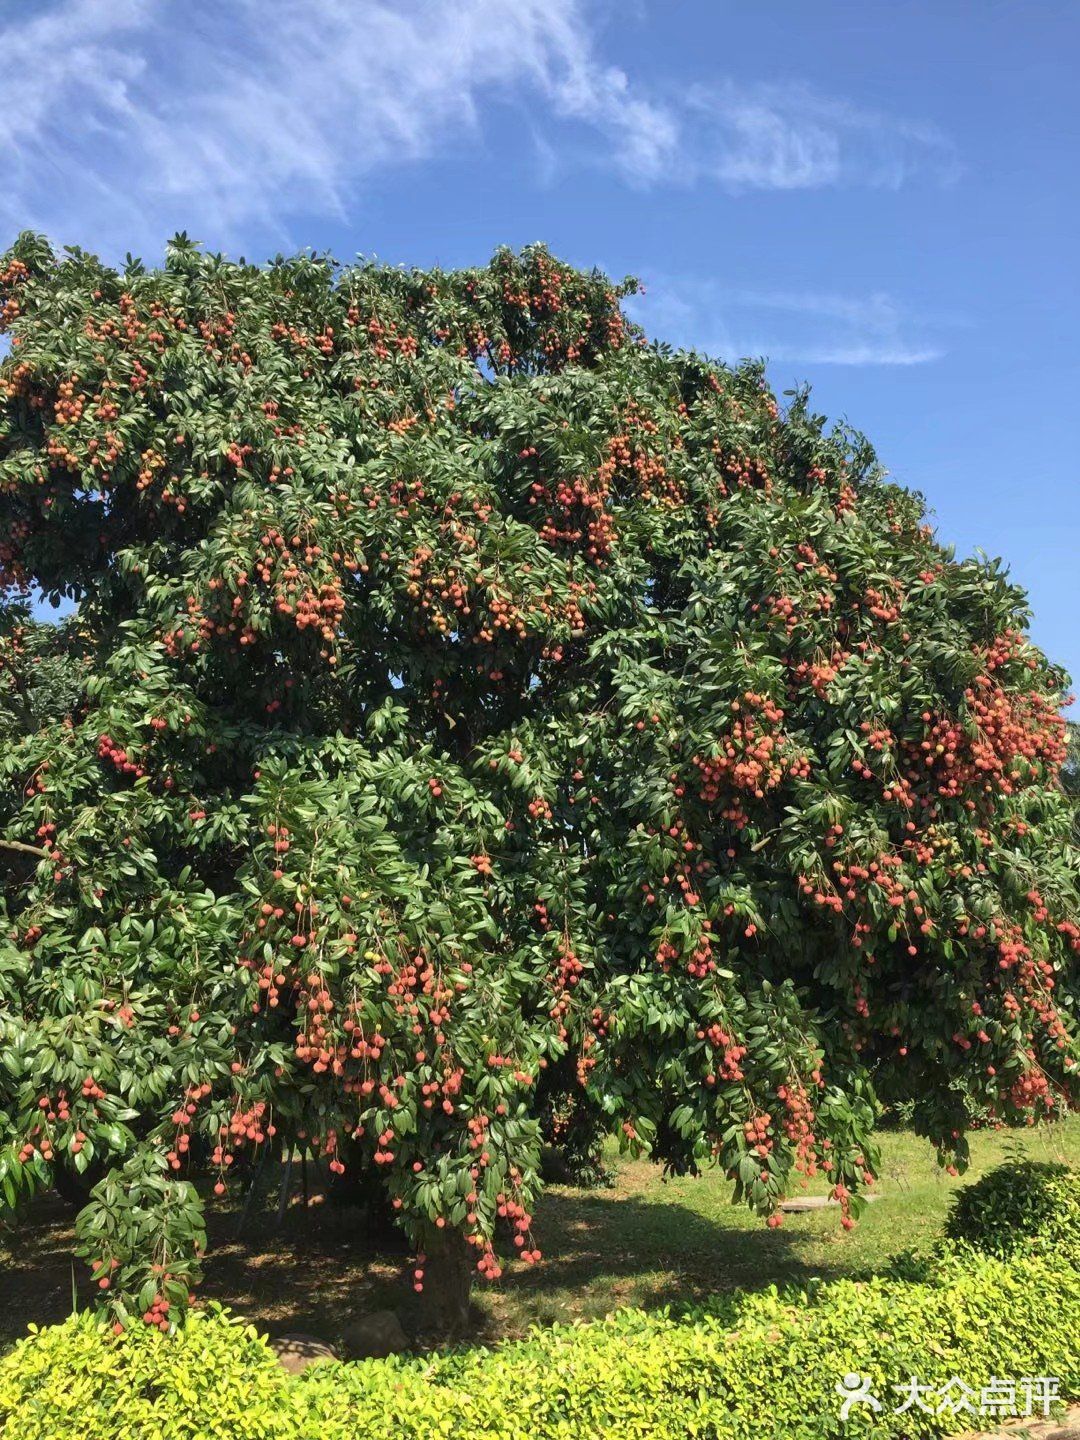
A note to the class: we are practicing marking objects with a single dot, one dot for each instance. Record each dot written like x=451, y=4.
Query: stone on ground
x=295, y=1352
x=375, y=1336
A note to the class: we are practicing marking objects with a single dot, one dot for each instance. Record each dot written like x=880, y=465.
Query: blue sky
x=880, y=196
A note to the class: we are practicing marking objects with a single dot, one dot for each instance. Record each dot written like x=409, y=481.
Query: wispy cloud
x=123, y=119
x=790, y=137
x=790, y=326
x=128, y=117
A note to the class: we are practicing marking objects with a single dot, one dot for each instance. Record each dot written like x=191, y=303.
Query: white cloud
x=786, y=326
x=125, y=117
x=121, y=120
x=788, y=137
x=869, y=352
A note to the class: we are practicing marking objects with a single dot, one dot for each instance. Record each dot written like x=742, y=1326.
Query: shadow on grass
x=654, y=1253
x=324, y=1267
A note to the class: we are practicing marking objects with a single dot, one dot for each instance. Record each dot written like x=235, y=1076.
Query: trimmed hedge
x=1024, y=1205
x=750, y=1367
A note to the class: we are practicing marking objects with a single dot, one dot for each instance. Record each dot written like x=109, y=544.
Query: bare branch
x=24, y=849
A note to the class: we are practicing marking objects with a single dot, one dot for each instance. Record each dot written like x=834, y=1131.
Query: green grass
x=650, y=1242
x=644, y=1242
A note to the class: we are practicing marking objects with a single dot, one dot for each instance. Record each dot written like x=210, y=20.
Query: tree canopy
x=474, y=710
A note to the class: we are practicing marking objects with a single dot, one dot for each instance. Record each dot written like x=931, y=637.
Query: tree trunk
x=448, y=1275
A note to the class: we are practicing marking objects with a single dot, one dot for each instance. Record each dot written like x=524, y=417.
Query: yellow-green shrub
x=767, y=1364
x=757, y=1365
x=77, y=1381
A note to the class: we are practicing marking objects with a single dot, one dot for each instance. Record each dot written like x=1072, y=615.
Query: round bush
x=1020, y=1205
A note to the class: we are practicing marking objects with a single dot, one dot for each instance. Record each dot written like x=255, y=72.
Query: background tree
x=1070, y=772
x=42, y=672
x=489, y=711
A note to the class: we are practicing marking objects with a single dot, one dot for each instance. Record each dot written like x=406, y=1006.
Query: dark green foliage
x=1023, y=1205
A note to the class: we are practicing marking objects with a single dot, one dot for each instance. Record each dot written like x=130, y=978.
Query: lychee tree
x=482, y=716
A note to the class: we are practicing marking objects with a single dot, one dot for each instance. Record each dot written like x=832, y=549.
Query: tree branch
x=24, y=849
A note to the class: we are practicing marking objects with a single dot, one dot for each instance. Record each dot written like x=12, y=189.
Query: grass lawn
x=645, y=1242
